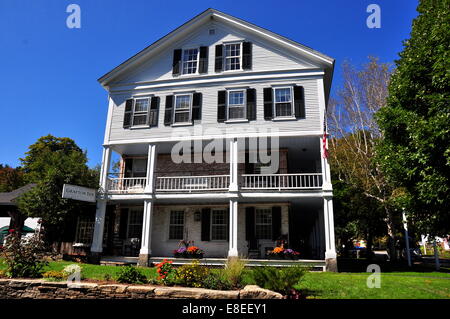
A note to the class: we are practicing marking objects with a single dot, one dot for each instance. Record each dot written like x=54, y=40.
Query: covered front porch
x=222, y=228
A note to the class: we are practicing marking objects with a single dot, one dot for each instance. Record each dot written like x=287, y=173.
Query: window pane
x=183, y=102
x=263, y=229
x=190, y=61
x=236, y=113
x=141, y=105
x=176, y=227
x=282, y=95
x=283, y=109
x=236, y=98
x=140, y=119
x=181, y=117
x=219, y=225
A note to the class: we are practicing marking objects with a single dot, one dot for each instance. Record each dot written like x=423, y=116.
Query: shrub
x=280, y=280
x=107, y=277
x=165, y=272
x=216, y=280
x=191, y=275
x=233, y=271
x=3, y=274
x=131, y=275
x=55, y=275
x=24, y=257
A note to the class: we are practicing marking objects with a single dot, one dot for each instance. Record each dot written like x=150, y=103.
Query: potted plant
x=276, y=253
x=291, y=254
x=185, y=250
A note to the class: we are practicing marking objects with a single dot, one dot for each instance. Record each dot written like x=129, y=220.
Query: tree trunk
x=369, y=245
x=391, y=234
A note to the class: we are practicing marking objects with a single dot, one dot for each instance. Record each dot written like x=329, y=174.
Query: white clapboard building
x=219, y=129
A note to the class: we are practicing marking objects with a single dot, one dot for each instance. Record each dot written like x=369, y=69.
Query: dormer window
x=190, y=61
x=232, y=56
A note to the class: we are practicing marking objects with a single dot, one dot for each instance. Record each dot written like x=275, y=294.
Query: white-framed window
x=233, y=56
x=190, y=61
x=135, y=220
x=263, y=223
x=140, y=111
x=236, y=105
x=219, y=226
x=183, y=106
x=176, y=224
x=85, y=230
x=283, y=102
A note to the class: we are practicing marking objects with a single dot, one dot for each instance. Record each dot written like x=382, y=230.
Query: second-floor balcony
x=216, y=183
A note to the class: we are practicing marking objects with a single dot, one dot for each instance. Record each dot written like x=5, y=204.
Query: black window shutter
x=221, y=106
x=249, y=167
x=268, y=104
x=251, y=104
x=153, y=112
x=176, y=63
x=276, y=222
x=123, y=226
x=247, y=55
x=219, y=58
x=127, y=114
x=249, y=223
x=196, y=106
x=203, y=63
x=206, y=223
x=168, y=110
x=299, y=102
x=128, y=167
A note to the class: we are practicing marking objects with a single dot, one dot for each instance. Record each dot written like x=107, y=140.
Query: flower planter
x=187, y=255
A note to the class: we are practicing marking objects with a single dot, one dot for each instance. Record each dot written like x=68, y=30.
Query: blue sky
x=48, y=73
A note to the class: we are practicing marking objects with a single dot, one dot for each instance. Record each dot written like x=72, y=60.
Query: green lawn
x=401, y=285
x=324, y=285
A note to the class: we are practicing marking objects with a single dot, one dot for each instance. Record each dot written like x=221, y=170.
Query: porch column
x=151, y=165
x=106, y=162
x=146, y=242
x=99, y=224
x=97, y=238
x=330, y=245
x=233, y=165
x=326, y=174
x=233, y=221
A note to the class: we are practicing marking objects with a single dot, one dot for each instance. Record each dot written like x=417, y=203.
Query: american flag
x=324, y=139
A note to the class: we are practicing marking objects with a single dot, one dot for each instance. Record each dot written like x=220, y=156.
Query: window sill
x=137, y=127
x=284, y=118
x=236, y=121
x=182, y=124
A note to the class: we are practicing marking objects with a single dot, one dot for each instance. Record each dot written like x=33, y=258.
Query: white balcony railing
x=136, y=185
x=126, y=185
x=281, y=181
x=192, y=183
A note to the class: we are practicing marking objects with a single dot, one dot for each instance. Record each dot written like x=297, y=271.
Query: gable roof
x=211, y=14
x=9, y=198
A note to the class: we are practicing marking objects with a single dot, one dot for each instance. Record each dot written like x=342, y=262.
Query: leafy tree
x=10, y=178
x=52, y=162
x=415, y=151
x=365, y=193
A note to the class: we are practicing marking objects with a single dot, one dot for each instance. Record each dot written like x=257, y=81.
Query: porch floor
x=123, y=260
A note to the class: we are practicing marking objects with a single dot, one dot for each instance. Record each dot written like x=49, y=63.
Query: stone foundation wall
x=40, y=289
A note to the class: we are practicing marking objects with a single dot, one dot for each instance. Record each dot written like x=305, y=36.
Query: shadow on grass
x=360, y=265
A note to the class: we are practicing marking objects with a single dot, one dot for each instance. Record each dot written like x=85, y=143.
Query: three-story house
x=219, y=129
